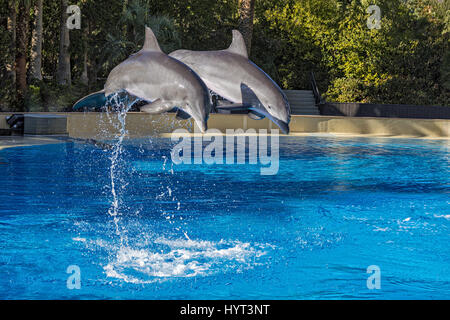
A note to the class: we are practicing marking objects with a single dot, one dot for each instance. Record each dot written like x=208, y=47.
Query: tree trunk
x=36, y=43
x=91, y=64
x=246, y=13
x=63, y=75
x=85, y=75
x=124, y=9
x=12, y=25
x=23, y=19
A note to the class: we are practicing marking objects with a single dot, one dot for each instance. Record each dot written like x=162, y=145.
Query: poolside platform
x=24, y=141
x=99, y=126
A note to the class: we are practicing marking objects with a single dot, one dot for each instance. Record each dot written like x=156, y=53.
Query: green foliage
x=8, y=97
x=129, y=35
x=7, y=92
x=47, y=96
x=406, y=61
x=33, y=99
x=203, y=24
x=400, y=63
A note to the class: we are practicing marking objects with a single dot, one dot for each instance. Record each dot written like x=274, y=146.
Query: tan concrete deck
x=100, y=126
x=103, y=126
x=19, y=141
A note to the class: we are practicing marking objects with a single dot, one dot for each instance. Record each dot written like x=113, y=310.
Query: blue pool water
x=160, y=231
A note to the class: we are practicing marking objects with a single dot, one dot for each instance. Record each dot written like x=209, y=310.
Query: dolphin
x=230, y=74
x=163, y=82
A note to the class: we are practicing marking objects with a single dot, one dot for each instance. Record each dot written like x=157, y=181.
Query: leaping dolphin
x=162, y=81
x=230, y=74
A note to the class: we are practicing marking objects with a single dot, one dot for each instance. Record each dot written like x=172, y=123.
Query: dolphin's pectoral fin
x=255, y=116
x=94, y=100
x=257, y=108
x=156, y=107
x=249, y=97
x=182, y=115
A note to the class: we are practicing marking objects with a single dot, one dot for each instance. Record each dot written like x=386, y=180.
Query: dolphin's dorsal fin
x=238, y=44
x=151, y=43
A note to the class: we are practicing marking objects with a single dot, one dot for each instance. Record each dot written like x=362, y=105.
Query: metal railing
x=315, y=89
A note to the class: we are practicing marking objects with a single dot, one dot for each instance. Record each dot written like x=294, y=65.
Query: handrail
x=315, y=89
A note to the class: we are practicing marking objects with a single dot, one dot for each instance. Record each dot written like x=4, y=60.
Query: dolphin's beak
x=282, y=125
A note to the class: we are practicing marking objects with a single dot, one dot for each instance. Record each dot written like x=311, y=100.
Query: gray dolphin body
x=230, y=74
x=162, y=81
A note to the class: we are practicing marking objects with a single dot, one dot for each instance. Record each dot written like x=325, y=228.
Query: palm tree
x=63, y=75
x=120, y=43
x=36, y=43
x=246, y=13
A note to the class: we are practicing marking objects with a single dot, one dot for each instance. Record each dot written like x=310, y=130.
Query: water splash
x=160, y=259
x=145, y=257
x=120, y=108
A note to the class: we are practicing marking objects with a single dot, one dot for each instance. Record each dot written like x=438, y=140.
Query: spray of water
x=147, y=257
x=120, y=107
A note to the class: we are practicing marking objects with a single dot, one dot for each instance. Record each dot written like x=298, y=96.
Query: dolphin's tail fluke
x=94, y=100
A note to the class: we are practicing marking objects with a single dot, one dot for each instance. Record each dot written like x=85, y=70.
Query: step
x=304, y=108
x=303, y=104
x=300, y=97
x=300, y=93
x=296, y=91
x=309, y=102
x=310, y=109
x=306, y=93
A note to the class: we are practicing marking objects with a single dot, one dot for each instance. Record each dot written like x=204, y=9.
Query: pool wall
x=100, y=125
x=384, y=110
